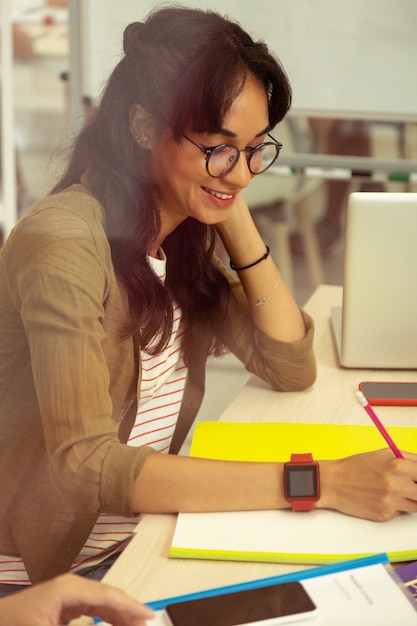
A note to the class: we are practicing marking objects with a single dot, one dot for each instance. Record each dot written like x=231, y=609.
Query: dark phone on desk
x=389, y=394
x=275, y=604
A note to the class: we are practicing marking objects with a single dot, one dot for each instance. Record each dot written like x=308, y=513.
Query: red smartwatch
x=302, y=482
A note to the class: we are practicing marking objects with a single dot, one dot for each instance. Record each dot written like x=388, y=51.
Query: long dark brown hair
x=185, y=67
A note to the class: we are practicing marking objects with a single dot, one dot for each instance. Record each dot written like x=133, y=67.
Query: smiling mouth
x=217, y=194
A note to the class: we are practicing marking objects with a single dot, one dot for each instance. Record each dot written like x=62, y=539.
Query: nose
x=240, y=176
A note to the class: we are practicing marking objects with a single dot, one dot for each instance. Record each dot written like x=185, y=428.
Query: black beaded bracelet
x=246, y=267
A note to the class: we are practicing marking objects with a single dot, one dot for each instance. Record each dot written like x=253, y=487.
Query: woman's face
x=179, y=169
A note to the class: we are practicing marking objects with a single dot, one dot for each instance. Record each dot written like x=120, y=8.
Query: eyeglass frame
x=208, y=151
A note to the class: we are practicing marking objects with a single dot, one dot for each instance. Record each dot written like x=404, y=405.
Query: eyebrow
x=229, y=133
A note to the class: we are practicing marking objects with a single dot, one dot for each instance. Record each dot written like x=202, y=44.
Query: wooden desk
x=332, y=398
x=145, y=571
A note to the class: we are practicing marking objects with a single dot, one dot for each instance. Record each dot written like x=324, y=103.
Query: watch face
x=301, y=482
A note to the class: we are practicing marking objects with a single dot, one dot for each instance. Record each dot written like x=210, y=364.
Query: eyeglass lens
x=223, y=159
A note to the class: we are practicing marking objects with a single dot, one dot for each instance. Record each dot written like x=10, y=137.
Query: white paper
x=366, y=596
x=319, y=532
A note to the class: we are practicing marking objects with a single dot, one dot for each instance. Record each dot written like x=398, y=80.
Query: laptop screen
x=378, y=321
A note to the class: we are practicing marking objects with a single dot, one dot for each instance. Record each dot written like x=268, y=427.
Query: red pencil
x=364, y=402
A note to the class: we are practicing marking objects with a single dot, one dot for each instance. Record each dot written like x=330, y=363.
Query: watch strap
x=302, y=458
x=302, y=505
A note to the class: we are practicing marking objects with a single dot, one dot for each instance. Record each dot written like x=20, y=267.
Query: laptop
x=376, y=327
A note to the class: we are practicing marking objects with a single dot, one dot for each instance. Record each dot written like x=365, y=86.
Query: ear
x=142, y=126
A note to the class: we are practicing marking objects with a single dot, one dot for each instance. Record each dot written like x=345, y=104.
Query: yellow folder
x=276, y=441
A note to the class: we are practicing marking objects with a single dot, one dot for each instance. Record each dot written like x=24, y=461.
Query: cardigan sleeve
x=62, y=285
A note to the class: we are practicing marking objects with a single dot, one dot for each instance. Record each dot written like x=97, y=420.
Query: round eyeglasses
x=220, y=160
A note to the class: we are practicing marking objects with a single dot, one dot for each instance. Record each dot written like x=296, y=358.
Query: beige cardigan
x=69, y=384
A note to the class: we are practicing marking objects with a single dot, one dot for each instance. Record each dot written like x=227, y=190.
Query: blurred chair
x=279, y=199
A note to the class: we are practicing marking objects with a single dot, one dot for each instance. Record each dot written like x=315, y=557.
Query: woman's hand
x=239, y=214
x=278, y=316
x=374, y=485
x=69, y=596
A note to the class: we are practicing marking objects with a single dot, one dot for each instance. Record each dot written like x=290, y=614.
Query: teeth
x=222, y=196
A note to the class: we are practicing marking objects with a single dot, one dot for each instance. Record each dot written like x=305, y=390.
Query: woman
x=111, y=299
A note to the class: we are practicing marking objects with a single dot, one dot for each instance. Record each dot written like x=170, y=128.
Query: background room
x=352, y=126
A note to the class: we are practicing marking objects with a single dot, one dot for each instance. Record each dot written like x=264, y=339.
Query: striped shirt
x=161, y=392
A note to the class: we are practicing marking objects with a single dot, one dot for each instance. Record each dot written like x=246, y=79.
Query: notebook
x=376, y=327
x=285, y=536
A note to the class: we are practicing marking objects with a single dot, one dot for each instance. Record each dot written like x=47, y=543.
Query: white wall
x=345, y=58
